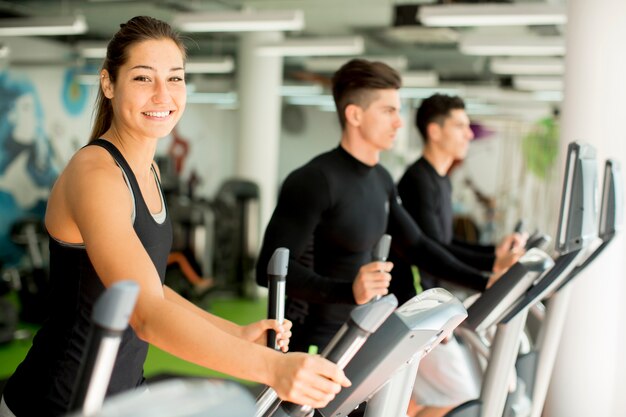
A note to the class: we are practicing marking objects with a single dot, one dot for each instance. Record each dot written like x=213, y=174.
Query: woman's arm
x=255, y=332
x=96, y=201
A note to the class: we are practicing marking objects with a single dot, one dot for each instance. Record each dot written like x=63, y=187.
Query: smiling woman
x=108, y=222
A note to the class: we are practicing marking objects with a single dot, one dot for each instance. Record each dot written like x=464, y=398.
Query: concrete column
x=259, y=79
x=588, y=378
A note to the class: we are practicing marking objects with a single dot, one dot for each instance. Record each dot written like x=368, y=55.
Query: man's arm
x=303, y=199
x=412, y=244
x=422, y=201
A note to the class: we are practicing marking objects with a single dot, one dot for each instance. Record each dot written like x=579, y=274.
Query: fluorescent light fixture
x=301, y=90
x=420, y=79
x=548, y=96
x=212, y=98
x=537, y=83
x=353, y=45
x=513, y=46
x=243, y=21
x=92, y=49
x=421, y=35
x=43, y=26
x=222, y=65
x=332, y=64
x=527, y=66
x=4, y=51
x=324, y=100
x=495, y=94
x=477, y=108
x=425, y=92
x=521, y=14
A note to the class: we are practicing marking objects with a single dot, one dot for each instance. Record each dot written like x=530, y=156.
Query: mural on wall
x=74, y=94
x=27, y=170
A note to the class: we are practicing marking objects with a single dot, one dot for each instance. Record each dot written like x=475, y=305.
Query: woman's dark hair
x=356, y=82
x=136, y=30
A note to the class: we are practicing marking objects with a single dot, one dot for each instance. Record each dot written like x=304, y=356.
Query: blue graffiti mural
x=26, y=164
x=74, y=95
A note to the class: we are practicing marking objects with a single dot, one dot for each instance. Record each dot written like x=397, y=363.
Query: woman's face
x=149, y=94
x=24, y=120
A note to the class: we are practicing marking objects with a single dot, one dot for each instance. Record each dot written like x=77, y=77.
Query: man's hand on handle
x=373, y=279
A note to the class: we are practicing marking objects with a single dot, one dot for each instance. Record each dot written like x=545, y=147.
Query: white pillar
x=259, y=80
x=589, y=372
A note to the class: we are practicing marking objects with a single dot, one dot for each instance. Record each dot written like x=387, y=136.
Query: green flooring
x=240, y=311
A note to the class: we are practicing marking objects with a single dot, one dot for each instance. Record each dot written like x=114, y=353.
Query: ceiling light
x=43, y=26
x=223, y=65
x=324, y=64
x=492, y=14
x=528, y=66
x=92, y=49
x=420, y=79
x=421, y=35
x=313, y=47
x=549, y=96
x=513, y=46
x=244, y=21
x=534, y=83
x=212, y=98
x=425, y=92
x=301, y=90
x=324, y=100
x=4, y=51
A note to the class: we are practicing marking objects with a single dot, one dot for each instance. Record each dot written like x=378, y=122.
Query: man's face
x=380, y=121
x=454, y=135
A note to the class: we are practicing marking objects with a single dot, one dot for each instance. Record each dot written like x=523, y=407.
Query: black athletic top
x=42, y=384
x=330, y=214
x=427, y=196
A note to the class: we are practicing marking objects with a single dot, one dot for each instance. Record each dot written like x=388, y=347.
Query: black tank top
x=42, y=384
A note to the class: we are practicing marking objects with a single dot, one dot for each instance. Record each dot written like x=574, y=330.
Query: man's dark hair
x=435, y=109
x=356, y=83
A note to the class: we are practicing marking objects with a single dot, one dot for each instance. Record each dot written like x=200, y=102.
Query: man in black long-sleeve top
x=334, y=209
x=444, y=378
x=426, y=191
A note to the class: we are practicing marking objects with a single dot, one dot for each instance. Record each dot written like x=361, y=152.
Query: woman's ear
x=354, y=114
x=106, y=84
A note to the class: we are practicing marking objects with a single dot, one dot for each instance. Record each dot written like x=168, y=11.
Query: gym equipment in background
x=33, y=284
x=237, y=231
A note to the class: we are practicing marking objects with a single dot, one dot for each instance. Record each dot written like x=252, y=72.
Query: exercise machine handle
x=380, y=253
x=110, y=316
x=276, y=283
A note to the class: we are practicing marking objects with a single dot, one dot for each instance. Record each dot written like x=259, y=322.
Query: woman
x=108, y=222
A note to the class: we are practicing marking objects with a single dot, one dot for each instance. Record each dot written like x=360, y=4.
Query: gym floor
x=159, y=364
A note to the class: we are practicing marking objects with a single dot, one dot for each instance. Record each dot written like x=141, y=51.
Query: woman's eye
x=142, y=78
